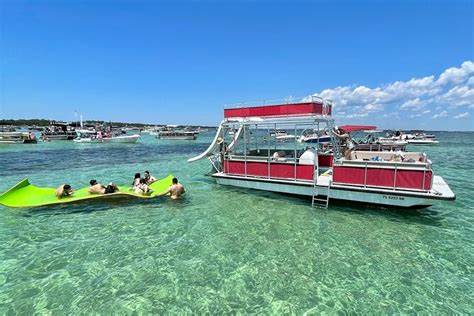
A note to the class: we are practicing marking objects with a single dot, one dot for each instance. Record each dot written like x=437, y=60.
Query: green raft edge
x=72, y=199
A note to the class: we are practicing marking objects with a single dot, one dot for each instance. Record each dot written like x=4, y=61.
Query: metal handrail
x=394, y=187
x=289, y=100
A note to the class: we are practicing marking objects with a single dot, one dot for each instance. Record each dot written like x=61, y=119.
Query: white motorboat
x=91, y=137
x=392, y=141
x=122, y=139
x=423, y=141
x=278, y=133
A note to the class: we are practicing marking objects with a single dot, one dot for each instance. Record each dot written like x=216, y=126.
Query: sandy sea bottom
x=224, y=249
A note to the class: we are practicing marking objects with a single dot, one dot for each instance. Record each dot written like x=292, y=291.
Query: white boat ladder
x=317, y=200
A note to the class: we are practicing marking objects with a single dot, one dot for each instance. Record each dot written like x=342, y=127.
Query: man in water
x=176, y=189
x=64, y=190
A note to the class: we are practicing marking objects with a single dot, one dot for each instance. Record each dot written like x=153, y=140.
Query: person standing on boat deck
x=176, y=189
x=148, y=177
x=64, y=190
x=223, y=149
x=345, y=138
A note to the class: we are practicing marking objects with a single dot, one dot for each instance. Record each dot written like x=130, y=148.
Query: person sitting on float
x=148, y=177
x=64, y=190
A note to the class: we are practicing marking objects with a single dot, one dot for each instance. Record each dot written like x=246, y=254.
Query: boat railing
x=289, y=100
x=395, y=171
x=289, y=167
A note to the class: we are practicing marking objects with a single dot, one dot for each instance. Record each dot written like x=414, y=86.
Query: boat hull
x=422, y=142
x=119, y=139
x=122, y=139
x=406, y=199
x=316, y=139
x=190, y=137
x=60, y=136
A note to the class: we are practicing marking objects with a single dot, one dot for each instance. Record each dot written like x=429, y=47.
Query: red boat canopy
x=357, y=128
x=278, y=110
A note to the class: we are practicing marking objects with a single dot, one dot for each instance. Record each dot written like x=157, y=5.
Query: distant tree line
x=29, y=122
x=45, y=122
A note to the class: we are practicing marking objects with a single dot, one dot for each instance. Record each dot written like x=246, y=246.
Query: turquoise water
x=223, y=249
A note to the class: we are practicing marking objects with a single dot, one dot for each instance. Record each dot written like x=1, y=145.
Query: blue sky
x=405, y=64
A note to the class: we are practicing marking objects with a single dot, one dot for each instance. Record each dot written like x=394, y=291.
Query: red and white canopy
x=280, y=110
x=358, y=128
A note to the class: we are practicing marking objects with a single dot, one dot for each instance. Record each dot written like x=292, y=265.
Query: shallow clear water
x=223, y=249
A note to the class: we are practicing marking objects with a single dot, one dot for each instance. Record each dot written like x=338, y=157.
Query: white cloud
x=441, y=114
x=462, y=115
x=452, y=88
x=373, y=107
x=392, y=115
x=456, y=75
x=470, y=82
x=357, y=115
x=457, y=96
x=414, y=104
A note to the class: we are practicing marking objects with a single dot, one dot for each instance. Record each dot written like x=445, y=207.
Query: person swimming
x=64, y=190
x=176, y=189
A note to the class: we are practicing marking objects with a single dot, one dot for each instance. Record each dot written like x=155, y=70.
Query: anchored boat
x=88, y=136
x=252, y=158
x=58, y=131
x=177, y=135
x=17, y=138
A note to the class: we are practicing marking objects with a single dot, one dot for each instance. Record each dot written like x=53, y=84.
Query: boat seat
x=389, y=156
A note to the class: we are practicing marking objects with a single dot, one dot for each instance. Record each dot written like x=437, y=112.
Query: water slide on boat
x=25, y=194
x=214, y=146
x=318, y=170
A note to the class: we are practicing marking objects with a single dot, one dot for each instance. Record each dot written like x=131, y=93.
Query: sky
x=394, y=64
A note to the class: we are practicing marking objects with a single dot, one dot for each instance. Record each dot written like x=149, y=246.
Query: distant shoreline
x=46, y=122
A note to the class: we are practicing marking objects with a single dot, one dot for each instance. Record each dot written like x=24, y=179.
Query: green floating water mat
x=25, y=194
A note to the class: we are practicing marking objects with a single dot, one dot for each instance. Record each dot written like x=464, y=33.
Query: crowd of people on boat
x=140, y=185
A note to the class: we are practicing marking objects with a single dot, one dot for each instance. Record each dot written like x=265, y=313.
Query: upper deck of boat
x=312, y=106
